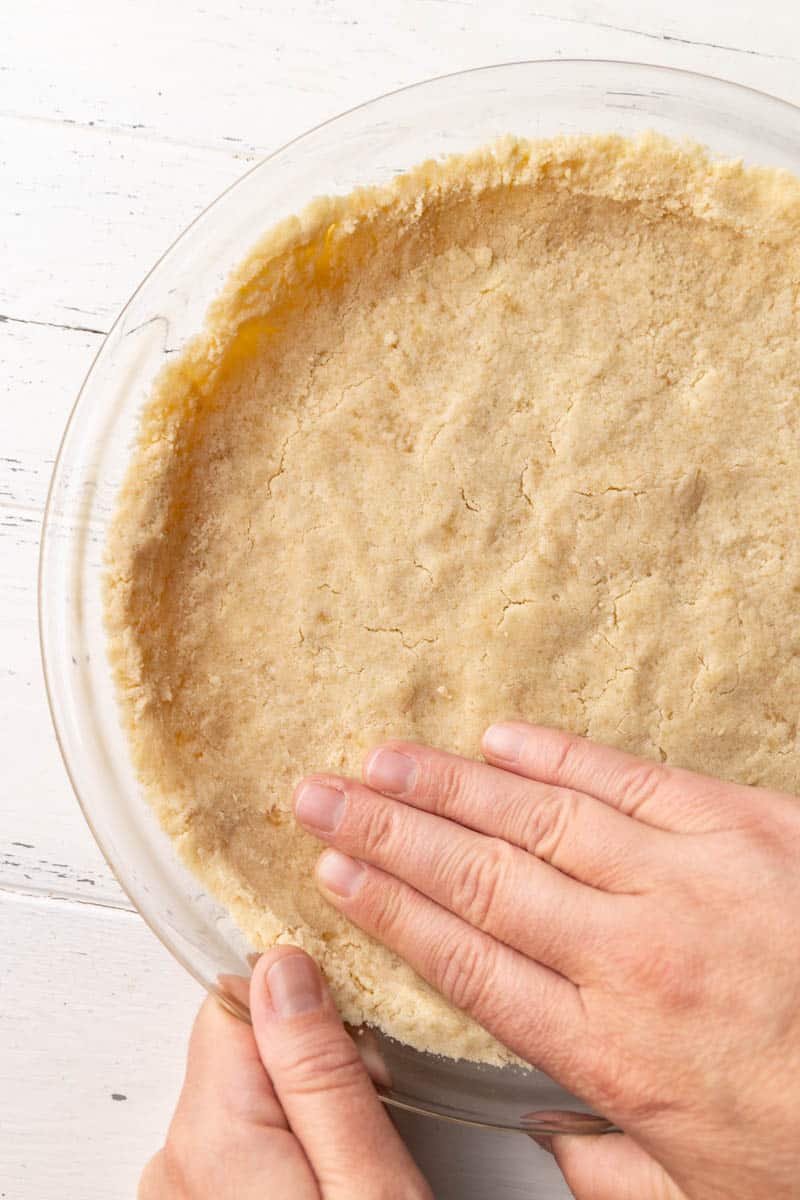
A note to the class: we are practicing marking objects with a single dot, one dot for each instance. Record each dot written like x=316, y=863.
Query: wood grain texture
x=69, y=209
x=44, y=845
x=251, y=73
x=92, y=1007
x=118, y=124
x=95, y=1020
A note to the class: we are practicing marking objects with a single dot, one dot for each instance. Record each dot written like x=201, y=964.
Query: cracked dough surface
x=516, y=435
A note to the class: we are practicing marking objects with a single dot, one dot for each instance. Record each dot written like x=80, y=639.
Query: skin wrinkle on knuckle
x=567, y=747
x=320, y=1067
x=639, y=785
x=672, y=973
x=378, y=833
x=771, y=839
x=386, y=914
x=549, y=820
x=473, y=881
x=463, y=970
x=446, y=785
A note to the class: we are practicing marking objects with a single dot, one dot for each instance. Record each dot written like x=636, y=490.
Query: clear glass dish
x=366, y=145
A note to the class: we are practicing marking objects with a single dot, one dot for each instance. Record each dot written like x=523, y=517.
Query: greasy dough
x=513, y=436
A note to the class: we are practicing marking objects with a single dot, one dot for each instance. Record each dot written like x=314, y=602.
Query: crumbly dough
x=514, y=436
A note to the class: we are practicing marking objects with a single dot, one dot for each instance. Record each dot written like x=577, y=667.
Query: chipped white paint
x=118, y=123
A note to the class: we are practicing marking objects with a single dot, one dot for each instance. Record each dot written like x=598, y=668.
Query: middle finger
x=494, y=886
x=575, y=832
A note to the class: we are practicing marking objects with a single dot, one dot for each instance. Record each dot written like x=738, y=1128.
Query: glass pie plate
x=366, y=145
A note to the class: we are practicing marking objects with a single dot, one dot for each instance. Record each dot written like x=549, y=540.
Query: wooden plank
x=251, y=74
x=73, y=192
x=94, y=1023
x=45, y=845
x=93, y=1007
x=85, y=213
x=43, y=369
x=722, y=25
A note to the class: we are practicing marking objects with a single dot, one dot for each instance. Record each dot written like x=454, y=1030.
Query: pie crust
x=513, y=436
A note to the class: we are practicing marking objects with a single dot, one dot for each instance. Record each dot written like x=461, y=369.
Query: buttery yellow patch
x=516, y=435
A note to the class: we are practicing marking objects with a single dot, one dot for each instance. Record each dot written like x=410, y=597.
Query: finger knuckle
x=639, y=785
x=548, y=821
x=447, y=785
x=474, y=882
x=670, y=972
x=622, y=1085
x=567, y=750
x=177, y=1148
x=157, y=1183
x=387, y=911
x=771, y=833
x=379, y=828
x=197, y=1154
x=465, y=972
x=177, y=1162
x=322, y=1066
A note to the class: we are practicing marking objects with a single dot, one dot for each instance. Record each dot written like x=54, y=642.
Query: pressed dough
x=514, y=436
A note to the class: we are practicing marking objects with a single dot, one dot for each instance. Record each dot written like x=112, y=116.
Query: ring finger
x=570, y=829
x=529, y=1008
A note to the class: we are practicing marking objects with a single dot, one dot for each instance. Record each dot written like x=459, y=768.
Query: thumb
x=323, y=1086
x=611, y=1167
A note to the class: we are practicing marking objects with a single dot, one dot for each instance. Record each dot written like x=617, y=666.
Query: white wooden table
x=119, y=121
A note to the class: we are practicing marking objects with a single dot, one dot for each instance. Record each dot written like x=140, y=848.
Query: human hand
x=628, y=927
x=282, y=1110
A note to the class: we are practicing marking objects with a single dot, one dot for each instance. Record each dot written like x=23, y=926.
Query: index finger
x=536, y=1012
x=224, y=1071
x=659, y=795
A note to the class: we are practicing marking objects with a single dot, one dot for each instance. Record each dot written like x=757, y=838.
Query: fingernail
x=339, y=873
x=504, y=741
x=319, y=807
x=391, y=772
x=294, y=985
